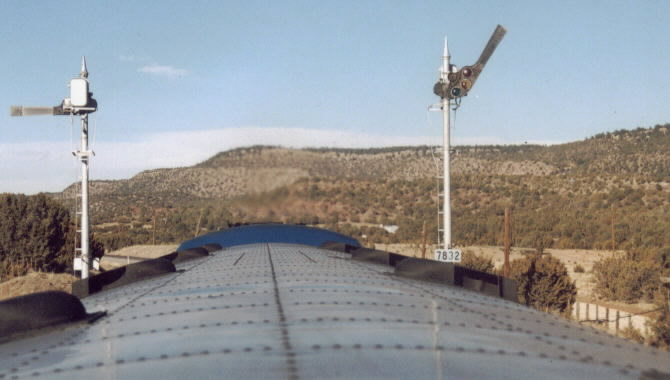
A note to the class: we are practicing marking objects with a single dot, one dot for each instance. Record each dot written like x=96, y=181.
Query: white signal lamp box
x=79, y=92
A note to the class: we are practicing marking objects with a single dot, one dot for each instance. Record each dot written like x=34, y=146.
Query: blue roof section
x=270, y=233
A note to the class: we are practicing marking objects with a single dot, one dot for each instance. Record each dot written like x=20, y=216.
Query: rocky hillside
x=642, y=154
x=260, y=169
x=568, y=185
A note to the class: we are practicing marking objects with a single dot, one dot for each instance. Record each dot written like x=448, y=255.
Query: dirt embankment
x=35, y=282
x=134, y=254
x=144, y=251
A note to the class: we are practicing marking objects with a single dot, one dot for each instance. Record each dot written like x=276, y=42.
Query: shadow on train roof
x=270, y=233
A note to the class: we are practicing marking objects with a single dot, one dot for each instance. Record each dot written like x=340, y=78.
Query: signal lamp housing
x=458, y=83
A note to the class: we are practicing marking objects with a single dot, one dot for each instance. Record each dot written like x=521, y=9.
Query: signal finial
x=444, y=70
x=84, y=71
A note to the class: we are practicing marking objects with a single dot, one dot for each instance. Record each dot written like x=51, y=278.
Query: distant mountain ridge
x=642, y=152
x=259, y=169
x=564, y=196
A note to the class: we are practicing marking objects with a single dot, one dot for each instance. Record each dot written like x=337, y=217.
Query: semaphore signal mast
x=80, y=103
x=453, y=84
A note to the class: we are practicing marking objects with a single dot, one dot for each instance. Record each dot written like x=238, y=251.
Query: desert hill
x=563, y=195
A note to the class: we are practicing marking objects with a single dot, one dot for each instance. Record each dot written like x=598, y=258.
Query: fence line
x=594, y=313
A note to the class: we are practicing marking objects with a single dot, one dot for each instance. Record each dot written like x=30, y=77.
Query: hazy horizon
x=122, y=160
x=564, y=71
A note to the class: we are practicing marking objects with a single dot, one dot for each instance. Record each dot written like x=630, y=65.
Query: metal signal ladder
x=438, y=161
x=77, y=220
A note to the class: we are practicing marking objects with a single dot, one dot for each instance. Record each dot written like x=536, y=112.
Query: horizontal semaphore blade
x=31, y=111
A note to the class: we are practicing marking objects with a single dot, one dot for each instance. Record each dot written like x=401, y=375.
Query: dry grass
x=133, y=252
x=144, y=251
x=34, y=282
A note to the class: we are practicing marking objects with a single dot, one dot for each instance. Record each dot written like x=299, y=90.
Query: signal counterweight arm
x=459, y=83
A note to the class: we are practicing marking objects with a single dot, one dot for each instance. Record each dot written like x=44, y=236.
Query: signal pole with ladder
x=446, y=156
x=453, y=84
x=80, y=103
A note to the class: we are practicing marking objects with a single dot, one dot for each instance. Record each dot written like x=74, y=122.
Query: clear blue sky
x=225, y=72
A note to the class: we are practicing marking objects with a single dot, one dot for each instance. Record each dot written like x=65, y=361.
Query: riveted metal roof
x=294, y=311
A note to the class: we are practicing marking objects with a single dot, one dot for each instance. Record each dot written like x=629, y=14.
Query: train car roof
x=279, y=310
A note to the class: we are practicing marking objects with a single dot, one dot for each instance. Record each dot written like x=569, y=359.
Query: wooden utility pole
x=507, y=241
x=153, y=230
x=423, y=240
x=613, y=241
x=197, y=227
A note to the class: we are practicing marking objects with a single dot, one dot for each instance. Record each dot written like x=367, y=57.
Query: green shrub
x=543, y=282
x=660, y=329
x=629, y=277
x=476, y=262
x=36, y=233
